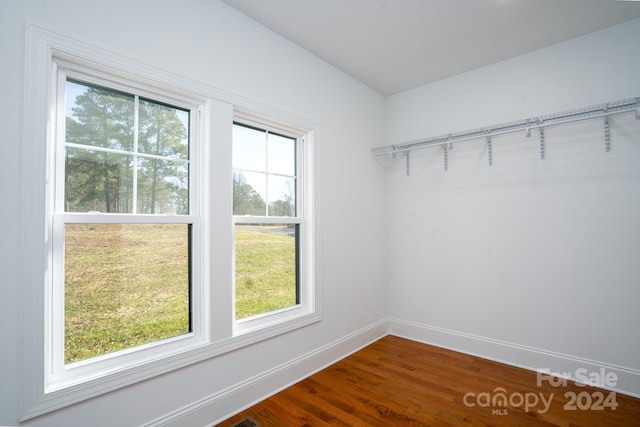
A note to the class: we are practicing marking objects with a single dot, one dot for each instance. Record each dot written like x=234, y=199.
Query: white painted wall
x=536, y=253
x=206, y=41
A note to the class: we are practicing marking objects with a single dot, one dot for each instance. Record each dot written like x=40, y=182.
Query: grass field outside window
x=125, y=285
x=128, y=285
x=265, y=268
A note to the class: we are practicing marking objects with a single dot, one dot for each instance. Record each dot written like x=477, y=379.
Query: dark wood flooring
x=398, y=382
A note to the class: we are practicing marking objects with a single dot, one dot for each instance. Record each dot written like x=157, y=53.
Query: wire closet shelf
x=527, y=125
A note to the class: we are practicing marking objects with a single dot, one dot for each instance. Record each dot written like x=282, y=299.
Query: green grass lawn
x=265, y=269
x=127, y=285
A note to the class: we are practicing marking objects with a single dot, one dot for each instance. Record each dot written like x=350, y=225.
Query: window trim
x=220, y=108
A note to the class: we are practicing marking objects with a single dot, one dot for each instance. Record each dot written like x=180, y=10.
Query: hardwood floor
x=398, y=382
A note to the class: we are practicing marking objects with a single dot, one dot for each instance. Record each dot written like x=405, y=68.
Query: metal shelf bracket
x=446, y=157
x=542, y=147
x=448, y=145
x=407, y=161
x=607, y=136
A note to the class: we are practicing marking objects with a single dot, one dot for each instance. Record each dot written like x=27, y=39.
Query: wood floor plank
x=399, y=382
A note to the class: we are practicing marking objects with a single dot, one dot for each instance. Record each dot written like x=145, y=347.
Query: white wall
x=206, y=41
x=528, y=261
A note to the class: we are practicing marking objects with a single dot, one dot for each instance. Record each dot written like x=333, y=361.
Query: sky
x=266, y=160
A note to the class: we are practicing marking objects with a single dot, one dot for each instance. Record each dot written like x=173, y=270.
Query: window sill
x=134, y=373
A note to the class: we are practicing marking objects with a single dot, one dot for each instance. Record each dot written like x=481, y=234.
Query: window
x=126, y=223
x=273, y=223
x=267, y=227
x=143, y=248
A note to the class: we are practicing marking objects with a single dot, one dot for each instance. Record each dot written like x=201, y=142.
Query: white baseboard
x=628, y=380
x=226, y=403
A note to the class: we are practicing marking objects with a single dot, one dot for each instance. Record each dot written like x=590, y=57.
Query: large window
x=125, y=230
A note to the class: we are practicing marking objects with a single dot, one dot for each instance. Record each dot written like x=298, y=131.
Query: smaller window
x=267, y=229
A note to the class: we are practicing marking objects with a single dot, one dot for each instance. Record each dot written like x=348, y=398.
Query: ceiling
x=395, y=45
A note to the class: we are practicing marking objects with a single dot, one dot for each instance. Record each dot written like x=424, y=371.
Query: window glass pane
x=263, y=181
x=249, y=193
x=163, y=130
x=266, y=265
x=97, y=181
x=163, y=187
x=110, y=180
x=124, y=285
x=282, y=196
x=249, y=149
x=99, y=117
x=282, y=155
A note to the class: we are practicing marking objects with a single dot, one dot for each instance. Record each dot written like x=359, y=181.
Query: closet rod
x=604, y=110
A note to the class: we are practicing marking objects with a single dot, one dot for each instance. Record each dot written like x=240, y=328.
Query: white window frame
x=215, y=330
x=303, y=218
x=59, y=374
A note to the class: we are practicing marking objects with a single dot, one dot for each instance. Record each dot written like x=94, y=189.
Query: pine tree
x=104, y=181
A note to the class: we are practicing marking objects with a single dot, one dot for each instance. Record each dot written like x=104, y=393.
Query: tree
x=103, y=181
x=162, y=133
x=246, y=200
x=285, y=206
x=101, y=118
